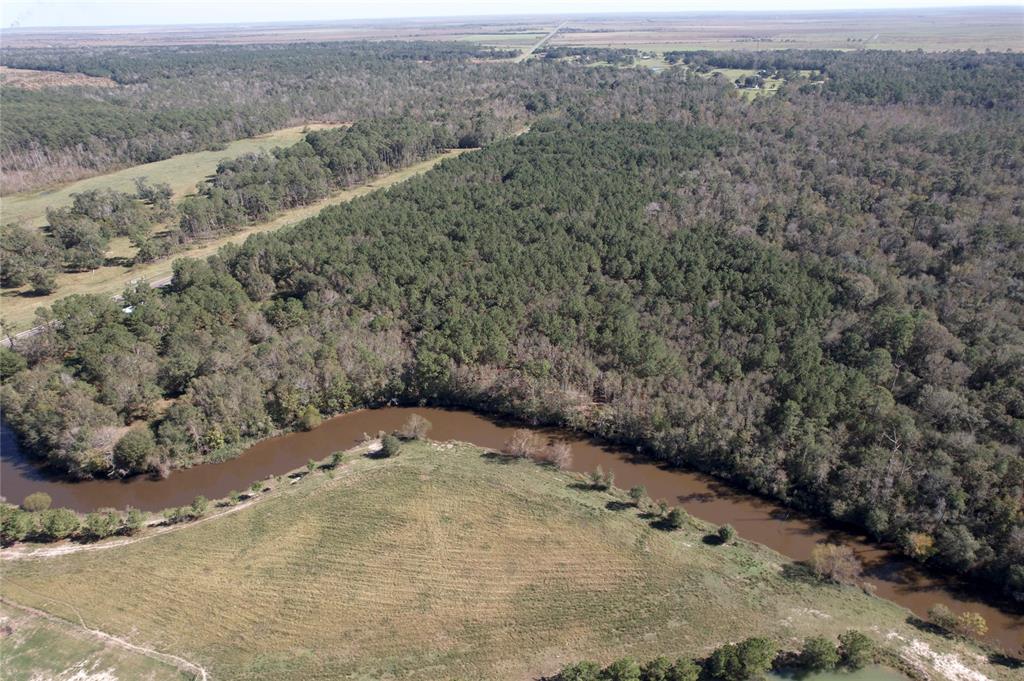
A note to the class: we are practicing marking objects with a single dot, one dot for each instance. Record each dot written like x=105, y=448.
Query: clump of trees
x=36, y=521
x=743, y=661
x=966, y=624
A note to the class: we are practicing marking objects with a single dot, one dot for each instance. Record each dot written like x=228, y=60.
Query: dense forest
x=816, y=295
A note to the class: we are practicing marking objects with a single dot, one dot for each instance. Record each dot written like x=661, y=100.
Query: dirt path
x=186, y=666
x=540, y=43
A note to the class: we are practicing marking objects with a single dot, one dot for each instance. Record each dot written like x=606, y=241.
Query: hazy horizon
x=120, y=14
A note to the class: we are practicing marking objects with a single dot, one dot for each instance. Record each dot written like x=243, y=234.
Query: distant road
x=8, y=341
x=526, y=55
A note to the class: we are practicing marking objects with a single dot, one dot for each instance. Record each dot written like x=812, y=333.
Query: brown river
x=756, y=519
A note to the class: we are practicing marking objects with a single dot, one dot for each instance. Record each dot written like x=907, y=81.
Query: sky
x=63, y=13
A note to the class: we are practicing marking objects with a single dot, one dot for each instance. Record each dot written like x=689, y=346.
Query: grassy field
x=443, y=563
x=182, y=172
x=36, y=648
x=18, y=307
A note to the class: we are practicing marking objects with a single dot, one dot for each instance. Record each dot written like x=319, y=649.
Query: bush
x=557, y=454
x=636, y=495
x=336, y=458
x=37, y=501
x=58, y=523
x=676, y=519
x=390, y=445
x=684, y=669
x=726, y=533
x=311, y=417
x=15, y=524
x=971, y=625
x=523, y=443
x=133, y=521
x=942, y=617
x=836, y=562
x=581, y=671
x=133, y=450
x=657, y=669
x=740, y=661
x=819, y=654
x=855, y=649
x=101, y=524
x=199, y=506
x=415, y=428
x=625, y=669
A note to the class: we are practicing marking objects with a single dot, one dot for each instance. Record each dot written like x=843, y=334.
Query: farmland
x=445, y=562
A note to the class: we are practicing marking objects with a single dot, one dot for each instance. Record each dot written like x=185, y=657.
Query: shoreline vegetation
x=358, y=467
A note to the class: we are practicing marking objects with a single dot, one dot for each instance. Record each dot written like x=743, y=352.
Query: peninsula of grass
x=447, y=561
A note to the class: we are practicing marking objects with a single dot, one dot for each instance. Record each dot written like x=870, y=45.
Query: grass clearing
x=18, y=306
x=34, y=647
x=444, y=562
x=182, y=172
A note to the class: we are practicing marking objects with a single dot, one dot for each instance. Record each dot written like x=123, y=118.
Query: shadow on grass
x=498, y=457
x=800, y=573
x=618, y=505
x=712, y=540
x=664, y=525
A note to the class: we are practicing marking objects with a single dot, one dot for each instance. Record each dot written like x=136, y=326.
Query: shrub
x=234, y=497
x=15, y=524
x=311, y=417
x=336, y=458
x=558, y=454
x=819, y=654
x=676, y=518
x=177, y=515
x=37, y=501
x=101, y=524
x=684, y=669
x=637, y=494
x=199, y=506
x=58, y=523
x=133, y=450
x=835, y=562
x=657, y=669
x=523, y=443
x=942, y=617
x=625, y=669
x=133, y=521
x=310, y=466
x=600, y=480
x=256, y=487
x=855, y=649
x=726, y=533
x=581, y=671
x=741, y=661
x=415, y=428
x=390, y=445
x=971, y=625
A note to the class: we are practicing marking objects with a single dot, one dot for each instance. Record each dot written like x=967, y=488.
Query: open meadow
x=446, y=562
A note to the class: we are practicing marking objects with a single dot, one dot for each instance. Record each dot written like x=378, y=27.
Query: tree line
x=743, y=661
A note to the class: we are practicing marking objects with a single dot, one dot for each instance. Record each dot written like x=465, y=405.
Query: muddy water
x=754, y=518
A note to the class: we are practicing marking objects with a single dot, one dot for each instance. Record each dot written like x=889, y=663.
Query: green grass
x=182, y=172
x=36, y=648
x=441, y=563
